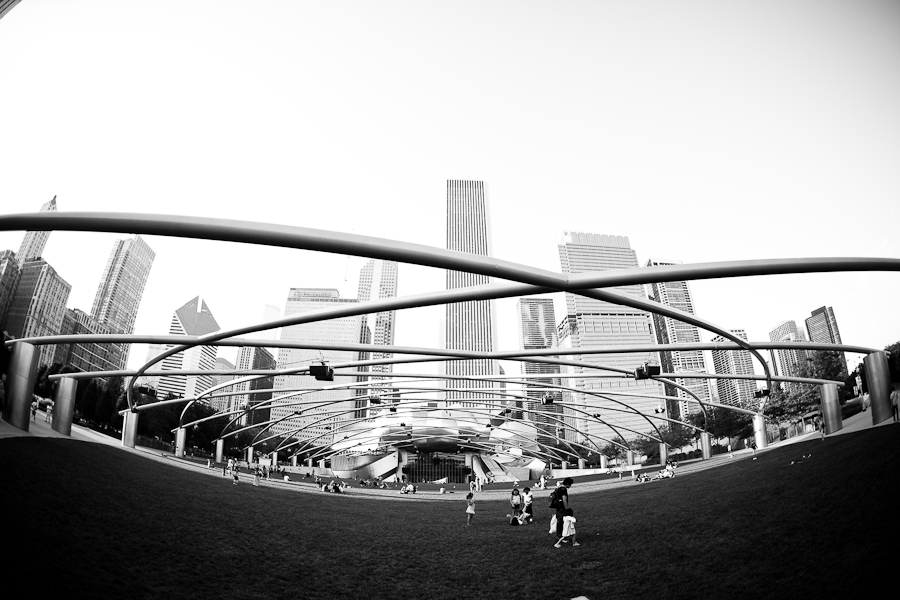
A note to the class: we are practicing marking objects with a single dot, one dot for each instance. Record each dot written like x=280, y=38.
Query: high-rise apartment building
x=377, y=280
x=537, y=331
x=590, y=323
x=822, y=326
x=34, y=241
x=469, y=325
x=735, y=392
x=677, y=294
x=120, y=291
x=194, y=318
x=324, y=410
x=789, y=360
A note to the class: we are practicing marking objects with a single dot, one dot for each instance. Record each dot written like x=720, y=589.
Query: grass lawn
x=87, y=520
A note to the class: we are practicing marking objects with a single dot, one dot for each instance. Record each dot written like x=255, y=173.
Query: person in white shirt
x=568, y=530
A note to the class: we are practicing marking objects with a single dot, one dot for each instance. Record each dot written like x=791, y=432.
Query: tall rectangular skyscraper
x=469, y=325
x=537, y=331
x=34, y=242
x=590, y=323
x=822, y=326
x=119, y=294
x=789, y=360
x=677, y=294
x=377, y=281
x=735, y=392
x=324, y=410
x=38, y=305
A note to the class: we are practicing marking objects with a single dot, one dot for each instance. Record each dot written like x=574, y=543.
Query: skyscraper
x=120, y=291
x=377, y=280
x=257, y=359
x=34, y=241
x=38, y=305
x=735, y=392
x=194, y=318
x=822, y=326
x=468, y=325
x=537, y=330
x=590, y=322
x=677, y=294
x=322, y=410
x=9, y=277
x=789, y=360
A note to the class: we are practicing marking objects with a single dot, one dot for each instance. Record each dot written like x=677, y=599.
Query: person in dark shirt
x=562, y=504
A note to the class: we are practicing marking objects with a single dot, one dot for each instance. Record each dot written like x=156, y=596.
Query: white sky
x=701, y=130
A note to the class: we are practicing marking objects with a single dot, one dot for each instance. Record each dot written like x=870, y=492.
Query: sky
x=702, y=131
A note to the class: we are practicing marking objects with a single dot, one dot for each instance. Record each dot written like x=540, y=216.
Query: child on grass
x=470, y=509
x=568, y=530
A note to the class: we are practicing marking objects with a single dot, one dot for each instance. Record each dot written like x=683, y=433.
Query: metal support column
x=180, y=438
x=663, y=454
x=705, y=446
x=220, y=450
x=759, y=431
x=20, y=375
x=878, y=380
x=64, y=405
x=129, y=428
x=629, y=457
x=831, y=408
x=604, y=462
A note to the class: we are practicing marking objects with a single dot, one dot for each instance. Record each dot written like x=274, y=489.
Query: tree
x=43, y=387
x=894, y=360
x=612, y=451
x=723, y=422
x=788, y=402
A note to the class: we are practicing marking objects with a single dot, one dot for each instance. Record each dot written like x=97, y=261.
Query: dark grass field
x=83, y=520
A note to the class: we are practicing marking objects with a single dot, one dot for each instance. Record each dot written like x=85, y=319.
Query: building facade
x=38, y=304
x=256, y=359
x=194, y=318
x=789, y=360
x=822, y=326
x=677, y=294
x=590, y=323
x=121, y=288
x=537, y=331
x=324, y=410
x=377, y=281
x=34, y=242
x=469, y=325
x=9, y=278
x=734, y=392
x=86, y=357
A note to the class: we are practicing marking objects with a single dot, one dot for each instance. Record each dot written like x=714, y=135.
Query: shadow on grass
x=88, y=520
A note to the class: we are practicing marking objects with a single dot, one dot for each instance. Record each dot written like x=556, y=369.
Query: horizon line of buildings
x=33, y=298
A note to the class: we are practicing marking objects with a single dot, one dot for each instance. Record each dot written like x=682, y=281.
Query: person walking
x=470, y=508
x=895, y=403
x=562, y=504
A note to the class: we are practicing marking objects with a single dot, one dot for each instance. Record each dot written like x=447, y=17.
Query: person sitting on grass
x=568, y=530
x=519, y=519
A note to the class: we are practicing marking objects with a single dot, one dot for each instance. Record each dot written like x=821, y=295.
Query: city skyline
x=700, y=173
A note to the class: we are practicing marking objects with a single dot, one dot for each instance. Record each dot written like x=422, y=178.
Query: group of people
x=562, y=522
